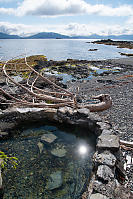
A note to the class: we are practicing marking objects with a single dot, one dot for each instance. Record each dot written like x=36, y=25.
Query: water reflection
x=83, y=150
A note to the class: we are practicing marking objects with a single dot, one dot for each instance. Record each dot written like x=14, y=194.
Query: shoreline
x=120, y=87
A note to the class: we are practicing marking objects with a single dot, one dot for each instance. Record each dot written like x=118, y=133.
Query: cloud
x=66, y=7
x=68, y=29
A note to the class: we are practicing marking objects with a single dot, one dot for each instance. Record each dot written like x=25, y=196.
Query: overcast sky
x=70, y=17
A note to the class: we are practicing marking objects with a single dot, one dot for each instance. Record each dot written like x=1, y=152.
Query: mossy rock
x=31, y=60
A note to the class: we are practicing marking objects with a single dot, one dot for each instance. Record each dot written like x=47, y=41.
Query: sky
x=68, y=17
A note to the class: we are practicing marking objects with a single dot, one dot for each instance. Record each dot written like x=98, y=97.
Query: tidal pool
x=54, y=162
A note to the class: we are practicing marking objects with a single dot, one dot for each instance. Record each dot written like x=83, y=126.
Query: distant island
x=53, y=35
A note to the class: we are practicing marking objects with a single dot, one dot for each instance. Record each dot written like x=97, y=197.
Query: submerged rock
x=59, y=152
x=40, y=146
x=54, y=181
x=48, y=138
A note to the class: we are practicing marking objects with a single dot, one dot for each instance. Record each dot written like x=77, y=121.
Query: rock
x=104, y=125
x=48, y=138
x=110, y=142
x=107, y=132
x=2, y=133
x=98, y=196
x=105, y=158
x=0, y=179
x=59, y=152
x=40, y=146
x=65, y=110
x=94, y=117
x=54, y=181
x=91, y=49
x=83, y=112
x=6, y=126
x=105, y=173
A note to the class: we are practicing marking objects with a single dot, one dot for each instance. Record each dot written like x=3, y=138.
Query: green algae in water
x=59, y=168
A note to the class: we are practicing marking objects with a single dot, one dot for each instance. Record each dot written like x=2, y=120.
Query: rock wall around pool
x=108, y=175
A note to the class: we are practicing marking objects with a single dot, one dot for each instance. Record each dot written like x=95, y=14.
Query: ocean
x=58, y=49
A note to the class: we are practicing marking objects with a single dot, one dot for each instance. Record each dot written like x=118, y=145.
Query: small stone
x=48, y=138
x=98, y=196
x=108, y=142
x=105, y=173
x=54, y=181
x=59, y=152
x=40, y=146
x=105, y=158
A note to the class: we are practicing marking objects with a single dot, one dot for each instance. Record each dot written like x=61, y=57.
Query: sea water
x=58, y=49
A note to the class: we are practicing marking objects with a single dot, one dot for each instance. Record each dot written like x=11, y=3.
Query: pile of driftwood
x=53, y=97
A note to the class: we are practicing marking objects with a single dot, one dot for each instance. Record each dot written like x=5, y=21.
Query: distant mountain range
x=52, y=35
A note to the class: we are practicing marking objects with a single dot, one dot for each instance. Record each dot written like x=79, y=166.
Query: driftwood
x=52, y=97
x=126, y=144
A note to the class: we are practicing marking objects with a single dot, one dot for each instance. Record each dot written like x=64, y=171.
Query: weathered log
x=126, y=143
x=105, y=103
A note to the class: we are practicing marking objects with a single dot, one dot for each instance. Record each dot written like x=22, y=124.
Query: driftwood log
x=52, y=97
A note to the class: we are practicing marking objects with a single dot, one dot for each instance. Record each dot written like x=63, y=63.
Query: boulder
x=105, y=173
x=105, y=158
x=109, y=142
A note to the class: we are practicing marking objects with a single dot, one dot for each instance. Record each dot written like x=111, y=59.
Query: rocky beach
x=87, y=79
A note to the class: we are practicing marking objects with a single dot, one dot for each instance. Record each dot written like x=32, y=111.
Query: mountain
x=53, y=35
x=48, y=35
x=6, y=36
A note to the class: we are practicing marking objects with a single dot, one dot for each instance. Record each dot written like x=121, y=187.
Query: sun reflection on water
x=83, y=150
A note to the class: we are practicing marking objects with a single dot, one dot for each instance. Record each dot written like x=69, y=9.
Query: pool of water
x=53, y=163
x=94, y=72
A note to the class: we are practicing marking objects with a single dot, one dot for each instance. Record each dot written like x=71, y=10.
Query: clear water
x=93, y=73
x=56, y=170
x=58, y=49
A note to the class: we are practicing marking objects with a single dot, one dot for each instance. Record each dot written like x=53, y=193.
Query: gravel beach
x=120, y=115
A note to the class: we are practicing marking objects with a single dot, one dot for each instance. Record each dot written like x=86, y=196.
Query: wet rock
x=105, y=158
x=105, y=173
x=98, y=196
x=110, y=142
x=59, y=152
x=48, y=138
x=95, y=49
x=40, y=146
x=54, y=181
